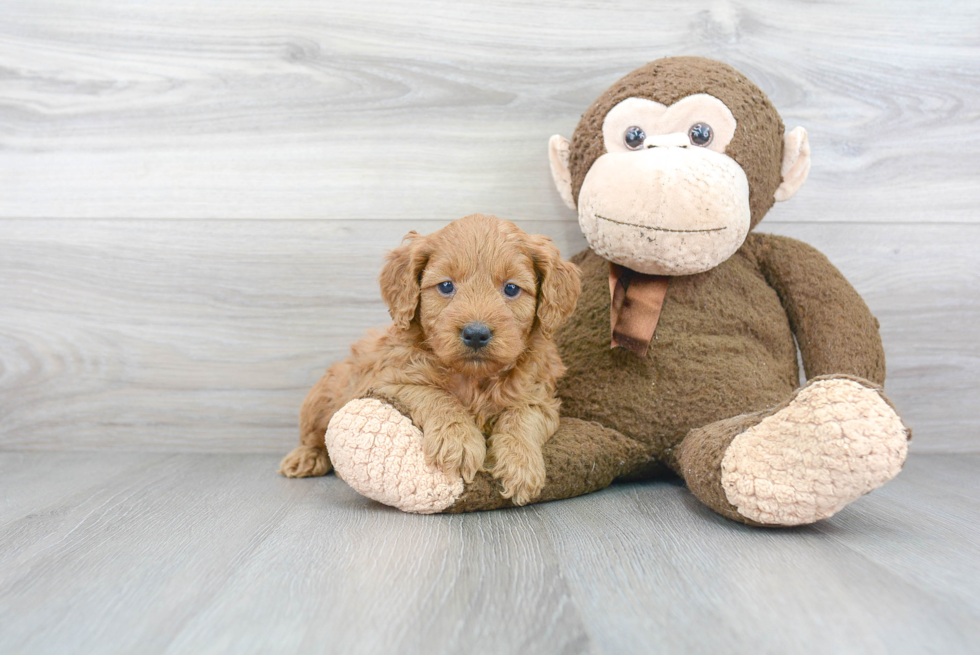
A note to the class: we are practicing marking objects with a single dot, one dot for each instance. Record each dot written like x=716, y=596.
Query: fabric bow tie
x=637, y=299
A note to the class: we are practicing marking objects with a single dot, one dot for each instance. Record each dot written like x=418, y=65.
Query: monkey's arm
x=834, y=328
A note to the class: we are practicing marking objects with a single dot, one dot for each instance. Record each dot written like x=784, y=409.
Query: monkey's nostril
x=476, y=335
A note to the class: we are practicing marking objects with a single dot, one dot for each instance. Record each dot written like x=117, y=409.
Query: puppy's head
x=480, y=290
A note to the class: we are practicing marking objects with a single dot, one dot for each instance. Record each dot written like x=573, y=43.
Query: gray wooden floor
x=196, y=553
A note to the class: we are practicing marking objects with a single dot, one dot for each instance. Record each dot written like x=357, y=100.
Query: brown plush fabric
x=833, y=326
x=724, y=344
x=580, y=458
x=758, y=142
x=697, y=459
x=723, y=347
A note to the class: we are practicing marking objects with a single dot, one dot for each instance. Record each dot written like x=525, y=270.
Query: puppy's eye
x=700, y=134
x=511, y=290
x=446, y=288
x=633, y=137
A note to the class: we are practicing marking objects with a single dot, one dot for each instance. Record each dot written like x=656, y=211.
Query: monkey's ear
x=558, y=156
x=796, y=163
x=399, y=278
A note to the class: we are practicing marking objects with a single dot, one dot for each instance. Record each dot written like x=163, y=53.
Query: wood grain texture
x=436, y=109
x=848, y=584
x=31, y=481
x=206, y=335
x=201, y=553
x=218, y=554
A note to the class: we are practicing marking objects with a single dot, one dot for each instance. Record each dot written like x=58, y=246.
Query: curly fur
x=457, y=396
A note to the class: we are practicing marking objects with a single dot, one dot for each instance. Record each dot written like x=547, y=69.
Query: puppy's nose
x=476, y=335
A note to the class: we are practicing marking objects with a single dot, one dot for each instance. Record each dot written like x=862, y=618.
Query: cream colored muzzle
x=669, y=208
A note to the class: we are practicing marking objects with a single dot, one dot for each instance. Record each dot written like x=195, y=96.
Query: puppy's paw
x=456, y=448
x=519, y=466
x=305, y=462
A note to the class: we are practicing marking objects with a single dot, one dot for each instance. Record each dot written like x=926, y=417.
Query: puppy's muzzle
x=476, y=335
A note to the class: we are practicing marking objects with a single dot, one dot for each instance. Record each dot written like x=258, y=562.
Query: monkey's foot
x=835, y=441
x=378, y=451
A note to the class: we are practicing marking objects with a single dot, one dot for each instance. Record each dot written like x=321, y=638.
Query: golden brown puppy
x=469, y=354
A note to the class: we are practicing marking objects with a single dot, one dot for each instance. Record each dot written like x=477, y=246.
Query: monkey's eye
x=633, y=137
x=511, y=290
x=446, y=288
x=700, y=134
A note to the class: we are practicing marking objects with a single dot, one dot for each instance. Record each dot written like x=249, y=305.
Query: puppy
x=469, y=355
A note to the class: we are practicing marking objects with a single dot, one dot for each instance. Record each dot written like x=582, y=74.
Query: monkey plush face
x=665, y=198
x=675, y=163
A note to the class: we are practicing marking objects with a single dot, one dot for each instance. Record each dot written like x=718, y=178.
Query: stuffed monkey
x=682, y=351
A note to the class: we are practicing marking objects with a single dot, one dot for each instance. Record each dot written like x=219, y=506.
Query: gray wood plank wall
x=194, y=198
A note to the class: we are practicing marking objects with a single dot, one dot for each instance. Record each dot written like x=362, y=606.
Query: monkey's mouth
x=662, y=229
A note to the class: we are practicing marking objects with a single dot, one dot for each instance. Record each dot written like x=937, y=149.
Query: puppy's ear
x=559, y=283
x=399, y=278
